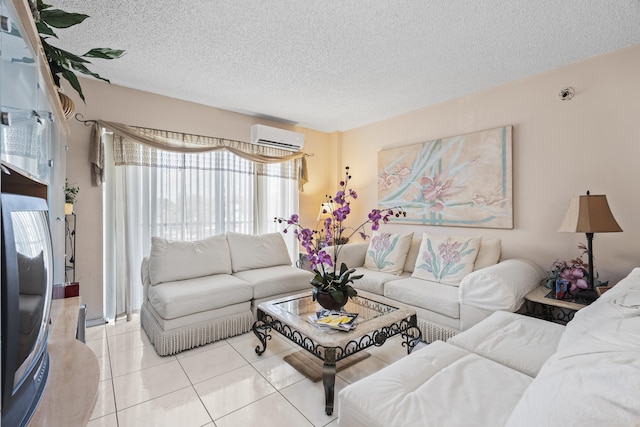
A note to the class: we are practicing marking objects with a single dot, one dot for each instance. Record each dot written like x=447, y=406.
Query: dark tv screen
x=27, y=278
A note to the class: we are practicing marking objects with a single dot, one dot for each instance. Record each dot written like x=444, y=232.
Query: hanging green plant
x=62, y=63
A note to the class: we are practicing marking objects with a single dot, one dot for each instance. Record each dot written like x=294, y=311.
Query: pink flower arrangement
x=575, y=272
x=575, y=276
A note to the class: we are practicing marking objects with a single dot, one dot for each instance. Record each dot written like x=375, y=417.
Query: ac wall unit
x=276, y=137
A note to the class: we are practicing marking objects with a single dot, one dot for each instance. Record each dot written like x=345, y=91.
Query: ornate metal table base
x=550, y=313
x=407, y=328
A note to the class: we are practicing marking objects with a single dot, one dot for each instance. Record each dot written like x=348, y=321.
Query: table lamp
x=326, y=211
x=589, y=214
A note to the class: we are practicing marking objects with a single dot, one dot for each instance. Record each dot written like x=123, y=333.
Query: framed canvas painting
x=464, y=181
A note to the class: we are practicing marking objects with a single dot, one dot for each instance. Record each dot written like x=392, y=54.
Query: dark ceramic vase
x=326, y=301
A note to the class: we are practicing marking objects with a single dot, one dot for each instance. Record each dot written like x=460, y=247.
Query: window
x=181, y=196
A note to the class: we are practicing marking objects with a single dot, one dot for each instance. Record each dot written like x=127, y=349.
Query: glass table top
x=366, y=308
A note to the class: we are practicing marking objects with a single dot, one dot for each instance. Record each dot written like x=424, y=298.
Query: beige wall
x=118, y=104
x=561, y=149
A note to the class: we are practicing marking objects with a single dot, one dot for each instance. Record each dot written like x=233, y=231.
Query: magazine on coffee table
x=331, y=319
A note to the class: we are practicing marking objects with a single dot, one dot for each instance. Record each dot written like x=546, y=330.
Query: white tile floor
x=222, y=384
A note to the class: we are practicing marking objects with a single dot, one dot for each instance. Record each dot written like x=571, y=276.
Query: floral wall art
x=463, y=181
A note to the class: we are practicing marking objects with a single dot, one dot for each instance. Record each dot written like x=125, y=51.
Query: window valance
x=154, y=141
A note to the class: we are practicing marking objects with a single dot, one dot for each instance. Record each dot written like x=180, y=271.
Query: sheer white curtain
x=186, y=197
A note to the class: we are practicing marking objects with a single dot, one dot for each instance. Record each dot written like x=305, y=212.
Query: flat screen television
x=27, y=283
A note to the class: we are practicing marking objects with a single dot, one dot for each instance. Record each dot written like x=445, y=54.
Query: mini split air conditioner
x=277, y=138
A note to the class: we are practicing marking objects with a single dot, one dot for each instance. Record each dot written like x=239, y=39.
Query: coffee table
x=379, y=319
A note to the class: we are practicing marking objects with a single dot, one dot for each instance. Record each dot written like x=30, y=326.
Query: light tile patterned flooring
x=223, y=384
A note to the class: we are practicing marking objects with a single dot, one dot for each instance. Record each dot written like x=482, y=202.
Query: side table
x=551, y=309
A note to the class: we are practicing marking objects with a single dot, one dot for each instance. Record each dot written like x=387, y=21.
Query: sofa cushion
x=595, y=382
x=412, y=254
x=488, y=254
x=180, y=298
x=439, y=385
x=276, y=280
x=352, y=254
x=519, y=342
x=594, y=377
x=446, y=259
x=502, y=286
x=372, y=281
x=436, y=297
x=387, y=252
x=176, y=260
x=257, y=251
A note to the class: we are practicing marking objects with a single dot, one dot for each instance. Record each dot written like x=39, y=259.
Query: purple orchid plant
x=328, y=277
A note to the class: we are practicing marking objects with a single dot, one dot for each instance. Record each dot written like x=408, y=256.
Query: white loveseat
x=448, y=307
x=516, y=371
x=203, y=291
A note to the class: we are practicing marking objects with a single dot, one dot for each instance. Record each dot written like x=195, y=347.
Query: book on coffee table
x=339, y=320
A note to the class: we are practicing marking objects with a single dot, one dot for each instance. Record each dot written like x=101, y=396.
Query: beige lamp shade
x=589, y=214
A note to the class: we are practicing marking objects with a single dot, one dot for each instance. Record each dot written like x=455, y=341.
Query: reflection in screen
x=33, y=246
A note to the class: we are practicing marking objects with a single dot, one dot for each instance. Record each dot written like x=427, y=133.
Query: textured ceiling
x=337, y=65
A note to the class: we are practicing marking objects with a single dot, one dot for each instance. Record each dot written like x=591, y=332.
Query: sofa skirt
x=434, y=332
x=197, y=334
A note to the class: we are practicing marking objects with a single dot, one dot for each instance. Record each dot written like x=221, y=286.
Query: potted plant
x=70, y=194
x=61, y=62
x=332, y=286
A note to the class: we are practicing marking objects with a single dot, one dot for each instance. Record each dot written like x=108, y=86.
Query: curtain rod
x=79, y=117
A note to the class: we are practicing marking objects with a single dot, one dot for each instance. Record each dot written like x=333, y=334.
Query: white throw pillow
x=488, y=254
x=261, y=251
x=387, y=252
x=175, y=260
x=446, y=259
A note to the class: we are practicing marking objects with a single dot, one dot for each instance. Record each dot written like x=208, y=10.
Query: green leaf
x=337, y=295
x=72, y=57
x=343, y=268
x=104, y=53
x=60, y=19
x=41, y=6
x=73, y=81
x=84, y=70
x=316, y=283
x=45, y=29
x=344, y=275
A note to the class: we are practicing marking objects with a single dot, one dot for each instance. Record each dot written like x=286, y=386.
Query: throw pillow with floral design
x=446, y=259
x=387, y=252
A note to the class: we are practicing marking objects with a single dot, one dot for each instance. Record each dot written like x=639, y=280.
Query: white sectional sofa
x=203, y=291
x=456, y=302
x=516, y=371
